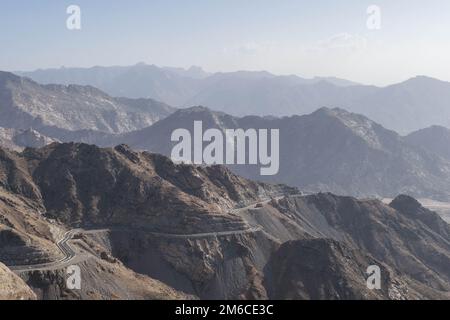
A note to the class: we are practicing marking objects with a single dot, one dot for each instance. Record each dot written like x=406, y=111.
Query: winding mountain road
x=71, y=255
x=63, y=246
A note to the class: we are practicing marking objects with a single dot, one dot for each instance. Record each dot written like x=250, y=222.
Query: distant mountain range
x=175, y=86
x=327, y=150
x=51, y=109
x=405, y=107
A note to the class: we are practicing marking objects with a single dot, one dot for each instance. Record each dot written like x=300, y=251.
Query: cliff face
x=100, y=280
x=327, y=269
x=154, y=229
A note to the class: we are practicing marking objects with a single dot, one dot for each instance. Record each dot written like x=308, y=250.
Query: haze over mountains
x=52, y=109
x=327, y=150
x=405, y=107
x=174, y=86
x=143, y=227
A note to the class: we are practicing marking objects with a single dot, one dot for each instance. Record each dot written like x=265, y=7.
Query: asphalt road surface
x=71, y=255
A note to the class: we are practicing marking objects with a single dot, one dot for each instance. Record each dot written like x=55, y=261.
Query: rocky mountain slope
x=44, y=191
x=17, y=140
x=385, y=232
x=408, y=106
x=323, y=269
x=435, y=139
x=83, y=185
x=328, y=150
x=55, y=109
x=404, y=107
x=148, y=228
x=13, y=287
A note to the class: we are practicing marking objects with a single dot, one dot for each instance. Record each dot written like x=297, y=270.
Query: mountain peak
x=371, y=132
x=439, y=130
x=195, y=109
x=330, y=111
x=424, y=78
x=339, y=113
x=421, y=80
x=435, y=139
x=405, y=203
x=199, y=113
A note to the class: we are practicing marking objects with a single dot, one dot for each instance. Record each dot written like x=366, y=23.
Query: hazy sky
x=307, y=38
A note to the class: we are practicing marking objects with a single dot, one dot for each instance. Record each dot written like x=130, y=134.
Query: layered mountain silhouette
x=141, y=226
x=175, y=86
x=328, y=150
x=57, y=110
x=404, y=107
x=144, y=227
x=171, y=85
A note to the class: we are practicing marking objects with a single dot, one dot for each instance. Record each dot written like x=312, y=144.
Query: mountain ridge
x=213, y=234
x=404, y=107
x=327, y=150
x=26, y=104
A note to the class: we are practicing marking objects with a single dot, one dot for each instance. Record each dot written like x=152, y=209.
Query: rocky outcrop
x=208, y=266
x=156, y=229
x=435, y=139
x=324, y=269
x=84, y=185
x=404, y=235
x=18, y=140
x=13, y=287
x=404, y=107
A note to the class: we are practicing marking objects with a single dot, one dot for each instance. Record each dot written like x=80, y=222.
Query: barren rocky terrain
x=328, y=150
x=13, y=287
x=59, y=110
x=143, y=227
